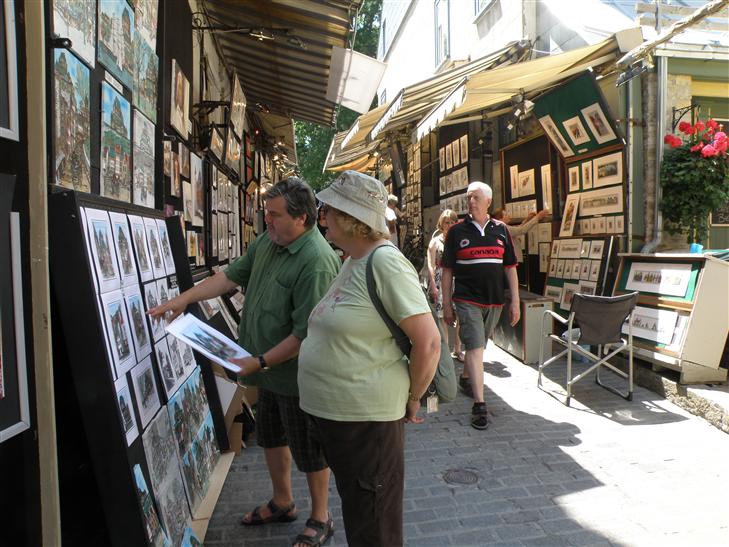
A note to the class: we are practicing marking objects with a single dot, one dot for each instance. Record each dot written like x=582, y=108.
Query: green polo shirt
x=282, y=286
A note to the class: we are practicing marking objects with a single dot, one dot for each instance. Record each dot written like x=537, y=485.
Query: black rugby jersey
x=478, y=261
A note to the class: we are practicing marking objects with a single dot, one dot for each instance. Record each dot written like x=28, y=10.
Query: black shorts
x=281, y=422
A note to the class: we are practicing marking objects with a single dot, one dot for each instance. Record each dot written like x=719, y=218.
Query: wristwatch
x=262, y=361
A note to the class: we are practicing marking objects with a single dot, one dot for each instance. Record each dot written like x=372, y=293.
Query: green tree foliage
x=313, y=140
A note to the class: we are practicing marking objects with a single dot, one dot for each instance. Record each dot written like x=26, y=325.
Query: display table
x=682, y=317
x=522, y=341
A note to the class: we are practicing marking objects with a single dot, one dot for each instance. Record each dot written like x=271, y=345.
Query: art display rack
x=91, y=434
x=682, y=317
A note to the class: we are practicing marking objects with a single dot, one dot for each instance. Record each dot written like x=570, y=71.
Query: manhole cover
x=460, y=476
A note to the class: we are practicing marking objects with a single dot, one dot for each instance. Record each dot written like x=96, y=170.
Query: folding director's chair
x=600, y=320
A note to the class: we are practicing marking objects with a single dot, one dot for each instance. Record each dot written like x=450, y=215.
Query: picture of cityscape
x=146, y=20
x=143, y=160
x=77, y=21
x=116, y=44
x=72, y=131
x=116, y=135
x=145, y=78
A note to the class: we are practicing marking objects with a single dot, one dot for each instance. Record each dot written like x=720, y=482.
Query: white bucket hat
x=360, y=196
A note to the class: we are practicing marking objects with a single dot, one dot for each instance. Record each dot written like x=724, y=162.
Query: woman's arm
x=424, y=335
x=432, y=251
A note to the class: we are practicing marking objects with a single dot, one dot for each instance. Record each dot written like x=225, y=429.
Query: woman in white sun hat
x=353, y=379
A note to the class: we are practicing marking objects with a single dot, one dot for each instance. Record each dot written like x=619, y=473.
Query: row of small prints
x=603, y=171
x=563, y=295
x=453, y=154
x=452, y=182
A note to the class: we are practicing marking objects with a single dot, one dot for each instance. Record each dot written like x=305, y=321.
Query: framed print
x=118, y=332
x=610, y=225
x=137, y=322
x=576, y=131
x=601, y=202
x=156, y=534
x=586, y=175
x=155, y=248
x=14, y=398
x=167, y=158
x=143, y=182
x=449, y=156
x=198, y=190
x=217, y=145
x=608, y=170
x=584, y=269
x=146, y=74
x=151, y=300
x=601, y=225
x=568, y=269
x=585, y=252
x=102, y=250
x=178, y=367
x=555, y=136
x=570, y=215
x=116, y=39
x=587, y=287
x=598, y=124
x=573, y=176
x=164, y=364
x=176, y=180
x=653, y=324
x=552, y=267
x=187, y=200
x=184, y=156
x=126, y=410
x=659, y=278
x=546, y=173
x=146, y=20
x=141, y=249
x=514, y=181
x=555, y=293
x=164, y=241
x=123, y=246
x=594, y=270
x=576, y=269
x=463, y=142
x=237, y=107
x=619, y=224
x=232, y=152
x=561, y=265
x=568, y=291
x=441, y=159
x=555, y=248
x=526, y=183
x=116, y=149
x=532, y=244
x=594, y=225
x=456, y=153
x=77, y=21
x=544, y=232
x=180, y=100
x=570, y=248
x=543, y=257
x=72, y=126
x=191, y=238
x=597, y=247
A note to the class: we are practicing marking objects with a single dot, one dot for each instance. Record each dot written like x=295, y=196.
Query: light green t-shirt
x=350, y=368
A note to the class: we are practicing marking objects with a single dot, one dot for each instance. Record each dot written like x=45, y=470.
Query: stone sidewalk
x=604, y=471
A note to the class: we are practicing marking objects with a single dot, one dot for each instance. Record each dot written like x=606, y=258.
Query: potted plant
x=694, y=178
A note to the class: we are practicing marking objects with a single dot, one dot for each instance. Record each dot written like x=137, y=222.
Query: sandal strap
x=317, y=524
x=277, y=511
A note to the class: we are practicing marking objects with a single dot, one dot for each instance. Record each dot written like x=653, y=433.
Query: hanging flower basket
x=694, y=178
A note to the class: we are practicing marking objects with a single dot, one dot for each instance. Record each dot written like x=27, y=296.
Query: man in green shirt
x=285, y=272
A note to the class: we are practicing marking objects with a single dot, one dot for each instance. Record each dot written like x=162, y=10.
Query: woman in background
x=520, y=229
x=435, y=273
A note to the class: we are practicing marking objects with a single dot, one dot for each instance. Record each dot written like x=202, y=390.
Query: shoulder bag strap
x=402, y=340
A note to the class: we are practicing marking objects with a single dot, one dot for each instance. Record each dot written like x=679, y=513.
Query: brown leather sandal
x=278, y=514
x=325, y=530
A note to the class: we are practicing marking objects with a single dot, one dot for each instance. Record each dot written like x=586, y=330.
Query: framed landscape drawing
x=146, y=73
x=146, y=19
x=598, y=124
x=659, y=278
x=576, y=131
x=116, y=153
x=143, y=183
x=116, y=39
x=155, y=248
x=76, y=20
x=123, y=245
x=180, y=100
x=102, y=250
x=555, y=136
x=117, y=329
x=602, y=202
x=570, y=215
x=608, y=170
x=653, y=324
x=141, y=250
x=72, y=126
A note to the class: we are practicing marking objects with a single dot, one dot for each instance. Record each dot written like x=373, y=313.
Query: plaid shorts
x=281, y=422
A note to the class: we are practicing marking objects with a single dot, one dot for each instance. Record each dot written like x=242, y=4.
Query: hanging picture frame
x=116, y=39
x=164, y=239
x=146, y=13
x=101, y=245
x=151, y=300
x=77, y=21
x=123, y=247
x=237, y=107
x=116, y=149
x=118, y=332
x=143, y=181
x=602, y=202
x=463, y=142
x=217, y=146
x=598, y=124
x=141, y=249
x=573, y=178
x=608, y=170
x=546, y=174
x=126, y=410
x=570, y=215
x=155, y=248
x=146, y=74
x=576, y=131
x=586, y=168
x=555, y=136
x=198, y=190
x=137, y=322
x=180, y=100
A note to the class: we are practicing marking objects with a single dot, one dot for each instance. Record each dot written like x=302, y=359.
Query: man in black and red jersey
x=478, y=251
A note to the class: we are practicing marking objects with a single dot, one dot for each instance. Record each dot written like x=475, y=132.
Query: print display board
x=132, y=426
x=680, y=321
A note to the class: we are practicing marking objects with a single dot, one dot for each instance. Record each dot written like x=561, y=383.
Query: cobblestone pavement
x=604, y=471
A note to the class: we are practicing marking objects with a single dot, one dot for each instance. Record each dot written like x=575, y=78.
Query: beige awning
x=487, y=90
x=362, y=126
x=358, y=157
x=415, y=101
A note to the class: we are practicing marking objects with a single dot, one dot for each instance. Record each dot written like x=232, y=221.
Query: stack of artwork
x=574, y=267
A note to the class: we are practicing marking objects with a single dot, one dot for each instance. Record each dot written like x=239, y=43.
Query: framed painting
x=155, y=248
x=156, y=534
x=550, y=128
x=232, y=152
x=116, y=39
x=183, y=154
x=118, y=332
x=151, y=300
x=570, y=248
x=77, y=21
x=176, y=180
x=146, y=73
x=463, y=142
x=141, y=249
x=573, y=178
x=602, y=202
x=101, y=245
x=146, y=19
x=514, y=181
x=570, y=215
x=180, y=100
x=653, y=324
x=608, y=170
x=116, y=153
x=237, y=107
x=576, y=131
x=598, y=124
x=455, y=146
x=123, y=244
x=72, y=131
x=448, y=156
x=167, y=159
x=561, y=264
x=164, y=239
x=198, y=190
x=187, y=200
x=9, y=128
x=595, y=270
x=143, y=181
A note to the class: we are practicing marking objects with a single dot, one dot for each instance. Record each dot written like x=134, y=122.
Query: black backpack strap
x=402, y=340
